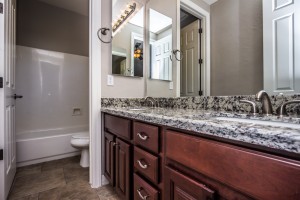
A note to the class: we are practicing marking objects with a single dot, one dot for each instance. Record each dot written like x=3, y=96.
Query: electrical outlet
x=171, y=85
x=77, y=111
x=110, y=80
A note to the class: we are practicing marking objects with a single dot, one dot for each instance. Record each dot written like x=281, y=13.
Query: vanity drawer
x=146, y=164
x=142, y=190
x=146, y=136
x=118, y=126
x=256, y=174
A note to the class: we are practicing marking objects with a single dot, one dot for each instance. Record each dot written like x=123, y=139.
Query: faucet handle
x=254, y=108
x=281, y=110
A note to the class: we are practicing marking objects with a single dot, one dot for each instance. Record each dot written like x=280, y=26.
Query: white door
x=161, y=63
x=190, y=66
x=281, y=46
x=7, y=102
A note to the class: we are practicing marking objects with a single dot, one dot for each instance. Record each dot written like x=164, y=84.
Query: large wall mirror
x=160, y=31
x=128, y=38
x=252, y=46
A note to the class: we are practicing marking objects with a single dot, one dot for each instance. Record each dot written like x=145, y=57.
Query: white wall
x=52, y=84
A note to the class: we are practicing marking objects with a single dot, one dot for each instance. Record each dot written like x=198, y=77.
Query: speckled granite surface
x=204, y=121
x=218, y=103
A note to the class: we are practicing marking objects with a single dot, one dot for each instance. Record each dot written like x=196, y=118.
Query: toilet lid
x=81, y=135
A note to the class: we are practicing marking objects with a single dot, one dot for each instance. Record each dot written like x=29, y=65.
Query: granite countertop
x=206, y=122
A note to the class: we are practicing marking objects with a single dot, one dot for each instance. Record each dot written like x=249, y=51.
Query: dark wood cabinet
x=255, y=174
x=109, y=157
x=123, y=169
x=142, y=190
x=147, y=161
x=179, y=186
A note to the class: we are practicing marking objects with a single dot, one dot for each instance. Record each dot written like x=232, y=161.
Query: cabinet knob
x=144, y=197
x=143, y=166
x=142, y=137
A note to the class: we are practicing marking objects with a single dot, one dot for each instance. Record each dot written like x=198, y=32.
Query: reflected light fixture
x=138, y=51
x=123, y=17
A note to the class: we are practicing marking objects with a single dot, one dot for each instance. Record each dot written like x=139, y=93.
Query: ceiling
x=78, y=6
x=209, y=2
x=158, y=21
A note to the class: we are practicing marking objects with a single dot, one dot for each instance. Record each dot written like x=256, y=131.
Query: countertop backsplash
x=216, y=103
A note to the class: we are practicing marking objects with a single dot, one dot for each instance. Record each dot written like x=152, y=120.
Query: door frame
x=202, y=14
x=95, y=94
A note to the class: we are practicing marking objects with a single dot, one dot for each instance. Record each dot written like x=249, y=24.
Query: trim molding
x=95, y=94
x=199, y=12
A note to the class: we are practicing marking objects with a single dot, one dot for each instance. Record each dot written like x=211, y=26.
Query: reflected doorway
x=190, y=45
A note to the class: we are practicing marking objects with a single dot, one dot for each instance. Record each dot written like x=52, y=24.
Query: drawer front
x=146, y=136
x=142, y=190
x=118, y=126
x=253, y=173
x=146, y=164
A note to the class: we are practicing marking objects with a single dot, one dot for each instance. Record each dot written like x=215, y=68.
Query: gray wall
x=236, y=47
x=43, y=26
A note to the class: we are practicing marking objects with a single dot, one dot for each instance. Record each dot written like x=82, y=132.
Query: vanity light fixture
x=123, y=17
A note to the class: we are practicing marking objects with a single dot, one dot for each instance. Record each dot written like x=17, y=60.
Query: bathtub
x=45, y=145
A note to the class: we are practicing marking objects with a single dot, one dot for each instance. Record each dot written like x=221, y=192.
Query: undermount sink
x=260, y=122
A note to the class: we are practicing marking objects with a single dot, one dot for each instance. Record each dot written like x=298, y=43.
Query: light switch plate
x=171, y=85
x=110, y=80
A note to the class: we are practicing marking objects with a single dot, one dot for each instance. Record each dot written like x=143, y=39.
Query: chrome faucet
x=151, y=100
x=264, y=98
x=281, y=110
x=254, y=108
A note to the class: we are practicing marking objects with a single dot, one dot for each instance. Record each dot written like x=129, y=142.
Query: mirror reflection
x=160, y=29
x=252, y=47
x=127, y=42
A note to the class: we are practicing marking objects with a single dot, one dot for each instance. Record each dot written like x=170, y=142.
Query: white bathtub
x=46, y=145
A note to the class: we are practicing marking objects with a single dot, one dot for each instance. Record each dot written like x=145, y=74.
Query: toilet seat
x=81, y=136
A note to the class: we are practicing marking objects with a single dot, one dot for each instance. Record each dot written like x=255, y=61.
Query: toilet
x=81, y=141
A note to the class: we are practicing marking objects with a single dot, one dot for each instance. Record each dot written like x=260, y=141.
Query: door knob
x=17, y=96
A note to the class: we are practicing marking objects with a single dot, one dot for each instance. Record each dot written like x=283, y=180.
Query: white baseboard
x=41, y=160
x=104, y=180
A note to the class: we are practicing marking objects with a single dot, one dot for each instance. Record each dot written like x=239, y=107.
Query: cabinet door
x=123, y=169
x=179, y=186
x=109, y=158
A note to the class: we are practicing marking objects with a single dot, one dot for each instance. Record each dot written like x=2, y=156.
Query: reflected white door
x=7, y=102
x=281, y=46
x=190, y=66
x=162, y=65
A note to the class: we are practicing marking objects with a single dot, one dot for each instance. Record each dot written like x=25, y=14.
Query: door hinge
x=200, y=30
x=200, y=61
x=200, y=93
x=1, y=8
x=1, y=154
x=1, y=82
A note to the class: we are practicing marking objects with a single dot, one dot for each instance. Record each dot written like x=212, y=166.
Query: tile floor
x=57, y=180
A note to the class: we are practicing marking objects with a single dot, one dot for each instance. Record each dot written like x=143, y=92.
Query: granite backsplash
x=216, y=103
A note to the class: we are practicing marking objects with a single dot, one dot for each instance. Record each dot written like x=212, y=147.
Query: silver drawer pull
x=142, y=137
x=140, y=194
x=144, y=166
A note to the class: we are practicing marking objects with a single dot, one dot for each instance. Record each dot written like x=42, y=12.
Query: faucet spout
x=264, y=98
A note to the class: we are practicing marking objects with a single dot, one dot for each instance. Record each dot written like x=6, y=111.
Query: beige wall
x=43, y=26
x=123, y=86
x=236, y=47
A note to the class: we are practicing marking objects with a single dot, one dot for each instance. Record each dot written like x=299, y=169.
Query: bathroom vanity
x=166, y=153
